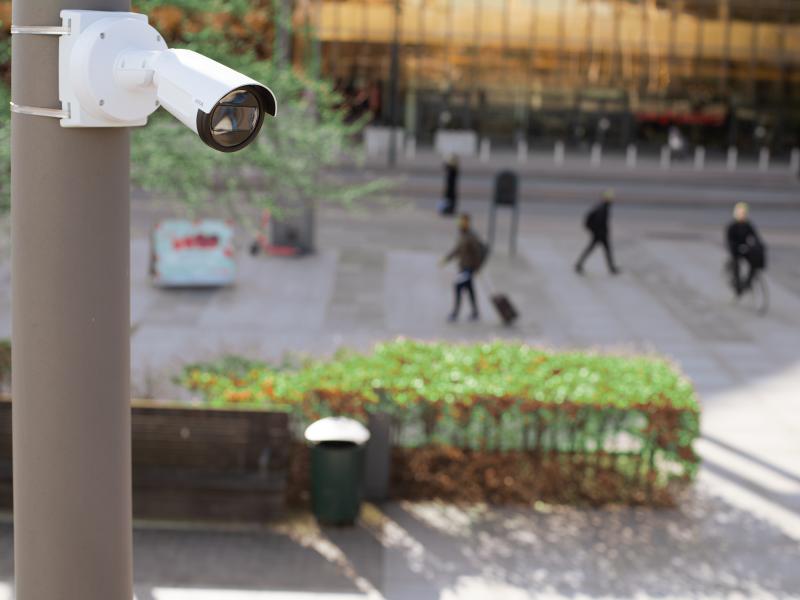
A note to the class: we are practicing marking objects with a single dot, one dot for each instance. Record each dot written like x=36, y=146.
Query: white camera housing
x=115, y=70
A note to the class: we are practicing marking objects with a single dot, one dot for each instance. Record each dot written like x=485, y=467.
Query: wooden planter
x=195, y=463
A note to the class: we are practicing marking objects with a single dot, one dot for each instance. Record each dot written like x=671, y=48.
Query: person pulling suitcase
x=471, y=253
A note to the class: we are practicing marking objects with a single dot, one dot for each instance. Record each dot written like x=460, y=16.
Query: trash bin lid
x=337, y=429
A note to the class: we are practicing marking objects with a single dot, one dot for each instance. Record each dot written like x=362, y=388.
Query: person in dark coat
x=744, y=245
x=450, y=195
x=470, y=252
x=597, y=224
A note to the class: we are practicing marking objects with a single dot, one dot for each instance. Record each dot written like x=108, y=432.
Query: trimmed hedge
x=631, y=416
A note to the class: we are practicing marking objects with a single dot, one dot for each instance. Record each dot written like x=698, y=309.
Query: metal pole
x=492, y=217
x=71, y=410
x=282, y=49
x=725, y=15
x=512, y=241
x=393, y=75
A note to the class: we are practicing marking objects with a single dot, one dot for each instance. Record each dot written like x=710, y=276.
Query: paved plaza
x=375, y=276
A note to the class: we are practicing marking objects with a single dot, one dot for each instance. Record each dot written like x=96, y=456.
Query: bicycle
x=756, y=296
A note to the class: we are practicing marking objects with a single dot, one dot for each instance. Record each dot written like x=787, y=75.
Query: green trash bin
x=337, y=469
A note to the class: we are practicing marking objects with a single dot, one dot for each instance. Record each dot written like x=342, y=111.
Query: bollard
x=666, y=157
x=506, y=190
x=597, y=155
x=699, y=158
x=558, y=153
x=522, y=151
x=733, y=158
x=794, y=161
x=485, y=150
x=378, y=458
x=411, y=147
x=763, y=159
x=631, y=156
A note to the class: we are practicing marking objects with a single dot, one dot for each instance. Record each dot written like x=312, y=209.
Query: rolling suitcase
x=508, y=314
x=502, y=303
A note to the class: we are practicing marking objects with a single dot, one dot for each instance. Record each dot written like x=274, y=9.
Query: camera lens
x=234, y=118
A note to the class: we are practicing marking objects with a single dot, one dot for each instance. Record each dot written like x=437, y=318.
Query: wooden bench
x=195, y=463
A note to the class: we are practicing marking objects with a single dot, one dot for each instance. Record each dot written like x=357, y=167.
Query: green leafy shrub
x=634, y=416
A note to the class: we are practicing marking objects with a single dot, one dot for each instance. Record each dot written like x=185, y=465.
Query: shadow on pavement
x=418, y=550
x=241, y=560
x=706, y=548
x=751, y=457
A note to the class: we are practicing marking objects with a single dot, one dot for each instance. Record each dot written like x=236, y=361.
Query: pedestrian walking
x=471, y=253
x=449, y=201
x=597, y=223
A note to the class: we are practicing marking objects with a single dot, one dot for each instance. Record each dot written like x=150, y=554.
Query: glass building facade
x=719, y=72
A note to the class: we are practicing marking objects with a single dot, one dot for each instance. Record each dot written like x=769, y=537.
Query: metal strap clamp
x=40, y=30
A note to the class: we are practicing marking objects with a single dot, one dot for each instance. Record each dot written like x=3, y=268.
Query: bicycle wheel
x=756, y=297
x=729, y=278
x=760, y=294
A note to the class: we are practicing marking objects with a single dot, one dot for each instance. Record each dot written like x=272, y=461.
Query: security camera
x=225, y=108
x=115, y=70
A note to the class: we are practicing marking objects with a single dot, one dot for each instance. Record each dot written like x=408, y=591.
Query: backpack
x=592, y=220
x=483, y=253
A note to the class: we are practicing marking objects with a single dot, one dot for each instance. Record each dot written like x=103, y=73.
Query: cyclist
x=744, y=244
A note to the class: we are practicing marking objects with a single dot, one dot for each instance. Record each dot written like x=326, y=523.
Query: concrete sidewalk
x=578, y=180
x=578, y=163
x=375, y=277
x=431, y=551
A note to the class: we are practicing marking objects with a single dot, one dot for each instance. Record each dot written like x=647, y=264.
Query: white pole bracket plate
x=87, y=60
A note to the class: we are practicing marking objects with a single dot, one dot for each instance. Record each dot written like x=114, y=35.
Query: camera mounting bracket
x=90, y=53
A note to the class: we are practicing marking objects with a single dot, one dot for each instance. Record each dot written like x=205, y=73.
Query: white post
x=733, y=157
x=763, y=159
x=522, y=151
x=631, y=156
x=666, y=157
x=699, y=158
x=558, y=153
x=411, y=147
x=794, y=161
x=597, y=155
x=485, y=150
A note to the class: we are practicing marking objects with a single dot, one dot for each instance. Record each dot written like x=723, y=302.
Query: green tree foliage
x=289, y=164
